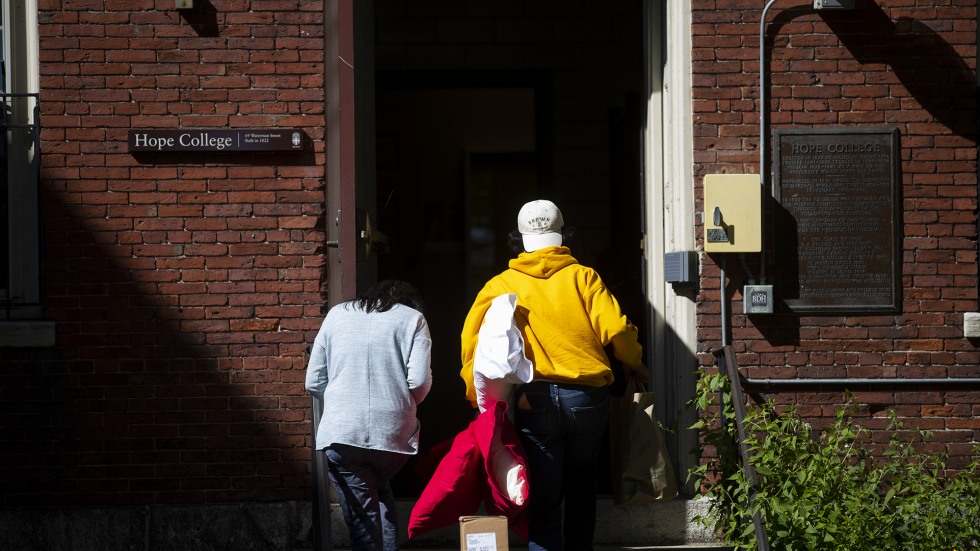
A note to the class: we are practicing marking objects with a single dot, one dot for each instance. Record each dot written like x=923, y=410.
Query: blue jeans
x=362, y=479
x=562, y=433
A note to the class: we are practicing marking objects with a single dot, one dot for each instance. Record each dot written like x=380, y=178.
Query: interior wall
x=588, y=55
x=481, y=106
x=427, y=139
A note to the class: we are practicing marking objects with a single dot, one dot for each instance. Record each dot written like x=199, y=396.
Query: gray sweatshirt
x=371, y=371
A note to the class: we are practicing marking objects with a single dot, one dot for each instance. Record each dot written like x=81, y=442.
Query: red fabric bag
x=476, y=469
x=505, y=467
x=455, y=488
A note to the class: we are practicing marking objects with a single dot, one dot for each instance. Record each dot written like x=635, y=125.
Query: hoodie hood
x=543, y=263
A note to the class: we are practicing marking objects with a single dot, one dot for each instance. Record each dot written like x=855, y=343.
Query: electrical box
x=680, y=267
x=732, y=213
x=757, y=299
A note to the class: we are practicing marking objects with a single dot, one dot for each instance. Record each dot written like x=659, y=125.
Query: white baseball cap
x=540, y=224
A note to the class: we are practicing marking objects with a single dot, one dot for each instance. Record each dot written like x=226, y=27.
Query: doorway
x=480, y=107
x=452, y=161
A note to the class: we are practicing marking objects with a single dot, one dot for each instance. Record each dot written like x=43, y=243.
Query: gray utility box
x=680, y=267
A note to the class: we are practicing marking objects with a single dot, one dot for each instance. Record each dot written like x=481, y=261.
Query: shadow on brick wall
x=927, y=65
x=178, y=372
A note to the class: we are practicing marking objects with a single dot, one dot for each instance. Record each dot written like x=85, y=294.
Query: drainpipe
x=763, y=112
x=769, y=384
x=724, y=301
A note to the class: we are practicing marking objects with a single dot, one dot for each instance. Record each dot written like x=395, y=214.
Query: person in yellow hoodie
x=567, y=317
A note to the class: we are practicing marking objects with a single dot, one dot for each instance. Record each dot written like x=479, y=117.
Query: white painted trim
x=669, y=207
x=653, y=193
x=32, y=45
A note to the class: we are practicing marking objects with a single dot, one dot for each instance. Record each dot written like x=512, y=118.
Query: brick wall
x=903, y=63
x=184, y=286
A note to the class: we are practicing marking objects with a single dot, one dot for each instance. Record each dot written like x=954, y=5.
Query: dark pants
x=362, y=479
x=562, y=433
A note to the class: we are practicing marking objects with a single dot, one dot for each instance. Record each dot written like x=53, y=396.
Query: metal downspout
x=763, y=112
x=724, y=301
x=797, y=382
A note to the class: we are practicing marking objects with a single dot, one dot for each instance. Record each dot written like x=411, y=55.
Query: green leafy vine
x=827, y=489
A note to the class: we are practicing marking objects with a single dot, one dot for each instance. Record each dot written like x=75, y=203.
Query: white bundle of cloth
x=499, y=365
x=499, y=362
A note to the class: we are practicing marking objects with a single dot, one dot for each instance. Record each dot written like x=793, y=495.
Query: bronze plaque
x=838, y=239
x=216, y=140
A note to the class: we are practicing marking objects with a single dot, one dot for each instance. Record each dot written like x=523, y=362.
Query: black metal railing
x=725, y=358
x=321, y=487
x=26, y=293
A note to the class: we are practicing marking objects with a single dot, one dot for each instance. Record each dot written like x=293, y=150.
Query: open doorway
x=480, y=107
x=452, y=161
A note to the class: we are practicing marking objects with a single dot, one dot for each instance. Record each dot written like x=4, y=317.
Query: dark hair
x=385, y=294
x=516, y=243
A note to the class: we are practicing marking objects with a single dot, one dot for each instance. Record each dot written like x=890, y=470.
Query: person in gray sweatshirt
x=370, y=365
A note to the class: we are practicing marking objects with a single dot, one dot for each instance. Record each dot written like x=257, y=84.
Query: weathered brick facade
x=908, y=64
x=184, y=286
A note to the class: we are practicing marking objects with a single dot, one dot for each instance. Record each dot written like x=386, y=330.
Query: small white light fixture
x=185, y=4
x=971, y=325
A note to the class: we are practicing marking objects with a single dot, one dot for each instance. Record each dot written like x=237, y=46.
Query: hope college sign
x=216, y=140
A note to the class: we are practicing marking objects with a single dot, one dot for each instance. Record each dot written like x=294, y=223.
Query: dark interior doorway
x=480, y=107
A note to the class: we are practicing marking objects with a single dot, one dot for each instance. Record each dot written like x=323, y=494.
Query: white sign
x=484, y=541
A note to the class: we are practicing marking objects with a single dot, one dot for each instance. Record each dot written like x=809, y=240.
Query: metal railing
x=725, y=358
x=26, y=294
x=321, y=487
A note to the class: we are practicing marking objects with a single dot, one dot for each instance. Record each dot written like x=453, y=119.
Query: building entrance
x=478, y=108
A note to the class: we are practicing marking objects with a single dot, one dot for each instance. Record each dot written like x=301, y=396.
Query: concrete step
x=687, y=547
x=667, y=525
x=288, y=526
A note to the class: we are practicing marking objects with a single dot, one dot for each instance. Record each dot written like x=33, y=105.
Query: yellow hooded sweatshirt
x=566, y=316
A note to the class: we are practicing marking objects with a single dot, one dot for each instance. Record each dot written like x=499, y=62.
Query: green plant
x=824, y=490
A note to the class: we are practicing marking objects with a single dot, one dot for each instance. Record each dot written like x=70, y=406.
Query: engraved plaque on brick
x=837, y=220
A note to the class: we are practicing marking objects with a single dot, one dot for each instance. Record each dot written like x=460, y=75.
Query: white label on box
x=484, y=541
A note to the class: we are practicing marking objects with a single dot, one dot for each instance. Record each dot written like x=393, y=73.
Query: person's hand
x=638, y=373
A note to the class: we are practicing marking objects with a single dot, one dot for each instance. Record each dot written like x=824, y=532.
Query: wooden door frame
x=348, y=90
x=340, y=148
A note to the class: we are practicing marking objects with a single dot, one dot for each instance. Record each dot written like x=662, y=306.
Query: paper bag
x=641, y=469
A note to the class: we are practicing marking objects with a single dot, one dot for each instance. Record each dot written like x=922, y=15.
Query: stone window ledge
x=26, y=333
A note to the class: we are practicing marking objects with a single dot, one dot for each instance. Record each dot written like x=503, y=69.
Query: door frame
x=669, y=222
x=349, y=171
x=668, y=187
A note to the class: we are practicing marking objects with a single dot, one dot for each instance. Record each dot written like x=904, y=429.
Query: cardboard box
x=483, y=533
